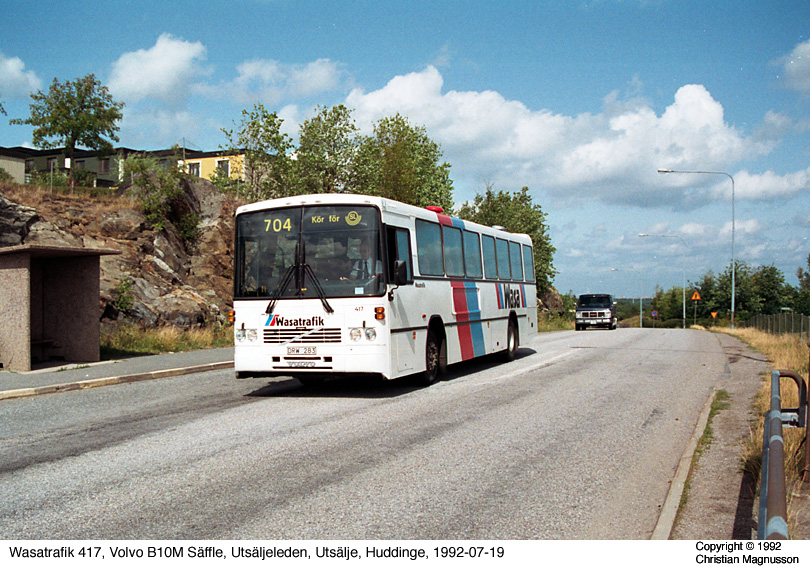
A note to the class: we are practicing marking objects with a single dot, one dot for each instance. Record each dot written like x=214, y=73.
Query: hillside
x=157, y=279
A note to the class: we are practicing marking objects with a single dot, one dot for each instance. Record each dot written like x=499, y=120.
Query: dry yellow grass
x=124, y=339
x=93, y=200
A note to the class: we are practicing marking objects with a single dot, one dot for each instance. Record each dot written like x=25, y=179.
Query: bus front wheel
x=433, y=348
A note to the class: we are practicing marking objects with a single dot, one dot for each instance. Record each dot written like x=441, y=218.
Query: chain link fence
x=781, y=324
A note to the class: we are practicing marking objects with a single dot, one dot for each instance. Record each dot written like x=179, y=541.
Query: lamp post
x=683, y=265
x=640, y=299
x=733, y=266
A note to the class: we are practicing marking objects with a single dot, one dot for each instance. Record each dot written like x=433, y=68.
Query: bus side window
x=490, y=265
x=514, y=260
x=502, y=253
x=528, y=263
x=453, y=254
x=472, y=255
x=399, y=248
x=429, y=248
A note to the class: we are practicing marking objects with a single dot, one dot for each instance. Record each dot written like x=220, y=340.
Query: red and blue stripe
x=466, y=306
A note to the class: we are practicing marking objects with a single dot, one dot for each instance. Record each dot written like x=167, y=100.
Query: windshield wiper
x=293, y=271
x=321, y=295
x=276, y=295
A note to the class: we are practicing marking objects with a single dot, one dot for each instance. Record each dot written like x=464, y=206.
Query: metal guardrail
x=772, y=493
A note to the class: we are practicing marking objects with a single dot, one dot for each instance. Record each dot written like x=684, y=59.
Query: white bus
x=355, y=285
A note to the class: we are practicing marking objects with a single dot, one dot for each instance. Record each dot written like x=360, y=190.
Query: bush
x=155, y=186
x=124, y=299
x=58, y=178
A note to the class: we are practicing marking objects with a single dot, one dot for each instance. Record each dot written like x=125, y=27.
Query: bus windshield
x=308, y=252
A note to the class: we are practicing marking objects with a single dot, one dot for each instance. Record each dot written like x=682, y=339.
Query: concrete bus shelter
x=49, y=305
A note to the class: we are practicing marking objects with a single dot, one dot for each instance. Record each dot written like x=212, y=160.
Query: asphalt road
x=578, y=438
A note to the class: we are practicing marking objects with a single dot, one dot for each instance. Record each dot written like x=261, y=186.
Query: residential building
x=204, y=164
x=13, y=162
x=107, y=169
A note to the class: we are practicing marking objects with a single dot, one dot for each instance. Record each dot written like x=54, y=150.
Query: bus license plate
x=302, y=350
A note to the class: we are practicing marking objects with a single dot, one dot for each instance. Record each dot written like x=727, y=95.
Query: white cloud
x=159, y=128
x=272, y=82
x=15, y=81
x=166, y=71
x=763, y=186
x=316, y=77
x=693, y=229
x=796, y=68
x=612, y=156
x=774, y=127
x=625, y=154
x=741, y=227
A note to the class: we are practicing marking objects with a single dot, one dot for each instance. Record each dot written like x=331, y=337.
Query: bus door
x=405, y=316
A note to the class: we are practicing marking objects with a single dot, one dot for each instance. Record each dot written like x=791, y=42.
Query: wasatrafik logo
x=276, y=320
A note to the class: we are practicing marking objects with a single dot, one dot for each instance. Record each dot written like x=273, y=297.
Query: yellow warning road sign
x=696, y=296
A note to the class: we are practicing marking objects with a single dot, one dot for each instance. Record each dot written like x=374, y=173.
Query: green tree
x=746, y=300
x=804, y=277
x=770, y=288
x=802, y=298
x=326, y=150
x=74, y=113
x=2, y=110
x=268, y=170
x=399, y=161
x=669, y=303
x=516, y=213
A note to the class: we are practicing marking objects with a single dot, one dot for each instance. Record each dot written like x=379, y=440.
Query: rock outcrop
x=159, y=277
x=15, y=222
x=552, y=302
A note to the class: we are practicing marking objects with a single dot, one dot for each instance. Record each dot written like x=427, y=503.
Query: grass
x=720, y=402
x=547, y=323
x=123, y=340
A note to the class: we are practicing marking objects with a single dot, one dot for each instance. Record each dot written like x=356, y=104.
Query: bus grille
x=275, y=336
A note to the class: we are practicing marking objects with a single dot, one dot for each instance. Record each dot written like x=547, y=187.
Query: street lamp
x=640, y=298
x=733, y=267
x=683, y=264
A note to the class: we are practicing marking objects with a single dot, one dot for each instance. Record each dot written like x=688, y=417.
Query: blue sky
x=582, y=102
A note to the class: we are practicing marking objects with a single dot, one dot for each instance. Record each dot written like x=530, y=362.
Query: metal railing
x=781, y=324
x=772, y=493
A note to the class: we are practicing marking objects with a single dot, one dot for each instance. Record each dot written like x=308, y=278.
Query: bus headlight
x=357, y=333
x=250, y=335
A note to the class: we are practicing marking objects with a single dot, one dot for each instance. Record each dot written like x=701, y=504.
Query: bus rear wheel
x=511, y=342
